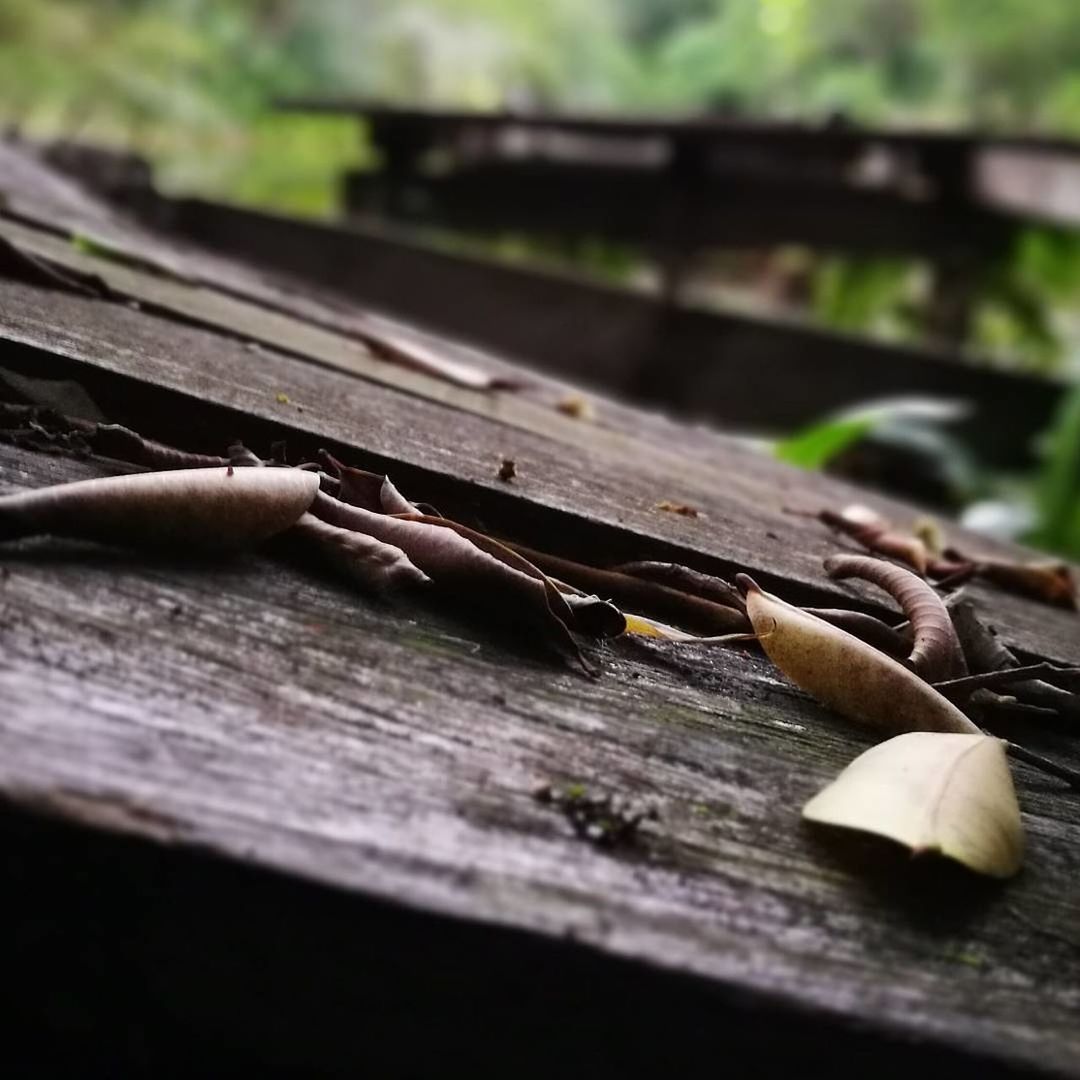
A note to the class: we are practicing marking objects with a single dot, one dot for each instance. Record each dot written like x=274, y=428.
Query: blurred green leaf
x=815, y=446
x=1058, y=490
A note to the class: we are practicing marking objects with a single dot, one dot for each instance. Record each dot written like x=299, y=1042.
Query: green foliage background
x=189, y=81
x=190, y=84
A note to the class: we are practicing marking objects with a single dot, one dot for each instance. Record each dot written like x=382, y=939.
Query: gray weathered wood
x=600, y=486
x=276, y=717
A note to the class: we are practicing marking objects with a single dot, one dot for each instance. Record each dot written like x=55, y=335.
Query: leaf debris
x=608, y=820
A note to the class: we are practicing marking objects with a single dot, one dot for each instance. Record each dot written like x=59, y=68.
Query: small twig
x=1068, y=677
x=1044, y=764
x=651, y=598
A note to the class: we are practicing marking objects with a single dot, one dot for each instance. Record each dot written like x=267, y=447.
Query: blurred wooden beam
x=747, y=372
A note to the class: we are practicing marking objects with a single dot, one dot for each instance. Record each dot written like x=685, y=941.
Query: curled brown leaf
x=935, y=652
x=652, y=597
x=1048, y=581
x=461, y=563
x=205, y=508
x=876, y=534
x=374, y=565
x=371, y=491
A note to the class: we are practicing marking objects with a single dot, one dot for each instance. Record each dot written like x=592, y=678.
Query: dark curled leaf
x=1048, y=581
x=935, y=654
x=1062, y=677
x=583, y=614
x=593, y=616
x=867, y=628
x=368, y=490
x=986, y=654
x=876, y=534
x=652, y=598
x=694, y=582
x=982, y=648
x=240, y=457
x=123, y=444
x=371, y=563
x=461, y=568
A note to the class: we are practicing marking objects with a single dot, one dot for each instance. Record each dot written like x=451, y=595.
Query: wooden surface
x=257, y=711
x=647, y=206
x=1037, y=176
x=262, y=713
x=735, y=369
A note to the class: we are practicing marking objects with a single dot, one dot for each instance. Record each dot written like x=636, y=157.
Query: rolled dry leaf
x=654, y=597
x=947, y=794
x=371, y=491
x=457, y=565
x=375, y=566
x=850, y=676
x=986, y=654
x=935, y=653
x=876, y=534
x=204, y=508
x=873, y=631
x=694, y=582
x=1050, y=582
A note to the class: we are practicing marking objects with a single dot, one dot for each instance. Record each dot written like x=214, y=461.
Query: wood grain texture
x=579, y=484
x=260, y=712
x=252, y=709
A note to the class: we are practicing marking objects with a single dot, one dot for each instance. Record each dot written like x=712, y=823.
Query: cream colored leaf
x=932, y=792
x=845, y=673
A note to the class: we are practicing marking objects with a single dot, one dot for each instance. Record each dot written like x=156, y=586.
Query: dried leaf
x=932, y=792
x=868, y=528
x=660, y=597
x=413, y=354
x=205, y=508
x=1050, y=582
x=576, y=406
x=935, y=653
x=678, y=508
x=929, y=531
x=369, y=490
x=640, y=626
x=374, y=565
x=682, y=578
x=847, y=674
x=447, y=553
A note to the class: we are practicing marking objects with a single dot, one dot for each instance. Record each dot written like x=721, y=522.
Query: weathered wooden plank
x=175, y=961
x=650, y=206
x=749, y=372
x=253, y=710
x=746, y=372
x=589, y=493
x=776, y=134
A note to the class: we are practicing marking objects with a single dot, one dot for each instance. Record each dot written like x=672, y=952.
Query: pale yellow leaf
x=932, y=792
x=642, y=627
